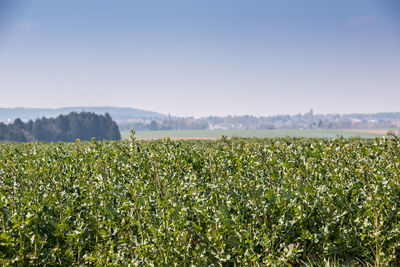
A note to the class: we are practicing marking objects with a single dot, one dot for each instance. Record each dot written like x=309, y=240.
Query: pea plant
x=230, y=202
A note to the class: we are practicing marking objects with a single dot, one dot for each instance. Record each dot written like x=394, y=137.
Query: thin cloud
x=26, y=26
x=361, y=20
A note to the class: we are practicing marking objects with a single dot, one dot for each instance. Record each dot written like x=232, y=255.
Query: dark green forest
x=66, y=128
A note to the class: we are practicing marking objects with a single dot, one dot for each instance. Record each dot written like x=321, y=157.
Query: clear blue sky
x=202, y=57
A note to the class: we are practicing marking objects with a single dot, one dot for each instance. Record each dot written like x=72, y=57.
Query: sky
x=202, y=57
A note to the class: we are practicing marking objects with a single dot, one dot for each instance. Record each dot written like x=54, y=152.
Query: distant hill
x=117, y=113
x=139, y=120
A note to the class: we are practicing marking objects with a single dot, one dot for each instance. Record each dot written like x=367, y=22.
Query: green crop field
x=225, y=202
x=331, y=133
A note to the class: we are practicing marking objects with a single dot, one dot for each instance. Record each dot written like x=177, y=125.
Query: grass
x=313, y=133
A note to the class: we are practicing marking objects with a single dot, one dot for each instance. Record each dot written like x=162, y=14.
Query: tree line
x=65, y=128
x=307, y=120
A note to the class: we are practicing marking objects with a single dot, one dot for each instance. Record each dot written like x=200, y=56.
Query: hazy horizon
x=210, y=115
x=202, y=58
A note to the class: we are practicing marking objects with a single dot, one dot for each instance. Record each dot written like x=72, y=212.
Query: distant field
x=368, y=133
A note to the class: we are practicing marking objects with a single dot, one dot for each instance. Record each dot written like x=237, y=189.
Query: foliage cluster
x=225, y=202
x=83, y=125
